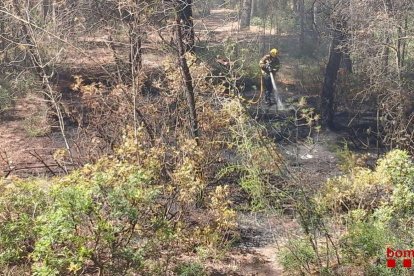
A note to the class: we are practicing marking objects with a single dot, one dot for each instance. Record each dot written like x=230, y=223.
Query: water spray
x=279, y=103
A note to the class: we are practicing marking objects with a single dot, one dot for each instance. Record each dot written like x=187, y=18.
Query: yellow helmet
x=274, y=52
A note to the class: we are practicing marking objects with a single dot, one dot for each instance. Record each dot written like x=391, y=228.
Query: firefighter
x=269, y=64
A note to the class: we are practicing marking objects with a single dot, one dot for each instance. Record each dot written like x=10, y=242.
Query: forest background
x=134, y=140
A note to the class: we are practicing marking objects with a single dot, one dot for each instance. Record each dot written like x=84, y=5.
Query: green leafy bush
x=256, y=159
x=364, y=241
x=190, y=269
x=382, y=270
x=393, y=178
x=298, y=257
x=95, y=221
x=377, y=208
x=362, y=188
x=398, y=168
x=6, y=96
x=256, y=21
x=36, y=125
x=119, y=216
x=20, y=203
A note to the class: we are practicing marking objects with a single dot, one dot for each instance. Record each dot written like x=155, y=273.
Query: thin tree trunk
x=386, y=55
x=245, y=14
x=188, y=81
x=45, y=7
x=135, y=59
x=253, y=11
x=295, y=6
x=261, y=8
x=404, y=43
x=54, y=13
x=346, y=58
x=135, y=40
x=206, y=10
x=388, y=10
x=186, y=16
x=40, y=68
x=315, y=31
x=302, y=25
x=347, y=62
x=399, y=46
x=2, y=34
x=331, y=73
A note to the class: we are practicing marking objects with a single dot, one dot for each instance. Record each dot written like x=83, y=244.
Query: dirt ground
x=28, y=139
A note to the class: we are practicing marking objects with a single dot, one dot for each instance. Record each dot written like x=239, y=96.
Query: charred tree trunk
x=302, y=25
x=185, y=12
x=386, y=55
x=253, y=9
x=389, y=11
x=260, y=8
x=401, y=31
x=295, y=6
x=185, y=71
x=2, y=36
x=331, y=73
x=346, y=58
x=347, y=62
x=206, y=9
x=135, y=59
x=245, y=14
x=45, y=8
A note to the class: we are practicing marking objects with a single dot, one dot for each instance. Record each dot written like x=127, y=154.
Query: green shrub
x=6, y=96
x=364, y=242
x=392, y=179
x=254, y=185
x=86, y=222
x=21, y=202
x=118, y=216
x=361, y=188
x=398, y=168
x=25, y=83
x=190, y=269
x=298, y=257
x=257, y=21
x=12, y=89
x=348, y=160
x=380, y=269
x=36, y=125
x=377, y=208
x=256, y=159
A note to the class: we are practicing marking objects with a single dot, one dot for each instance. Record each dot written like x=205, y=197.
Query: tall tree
x=254, y=9
x=2, y=34
x=135, y=38
x=331, y=73
x=185, y=14
x=245, y=14
x=185, y=70
x=301, y=4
